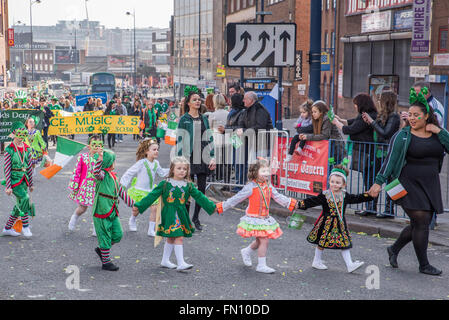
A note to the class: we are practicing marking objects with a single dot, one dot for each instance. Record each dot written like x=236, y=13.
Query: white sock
x=168, y=248
x=262, y=261
x=250, y=250
x=318, y=255
x=132, y=218
x=152, y=226
x=347, y=256
x=179, y=252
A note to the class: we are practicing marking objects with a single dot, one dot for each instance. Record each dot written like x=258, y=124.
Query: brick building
x=295, y=80
x=4, y=48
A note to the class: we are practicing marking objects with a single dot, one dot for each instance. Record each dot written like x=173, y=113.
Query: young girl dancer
x=257, y=222
x=145, y=169
x=175, y=220
x=35, y=141
x=330, y=230
x=82, y=182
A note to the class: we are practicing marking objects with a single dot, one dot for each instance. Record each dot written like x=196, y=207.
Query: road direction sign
x=261, y=44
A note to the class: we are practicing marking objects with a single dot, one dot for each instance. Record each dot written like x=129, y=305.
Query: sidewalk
x=385, y=228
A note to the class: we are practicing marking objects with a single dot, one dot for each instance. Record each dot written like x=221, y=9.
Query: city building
x=4, y=47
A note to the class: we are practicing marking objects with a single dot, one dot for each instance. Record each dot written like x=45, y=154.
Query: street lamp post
x=31, y=25
x=135, y=52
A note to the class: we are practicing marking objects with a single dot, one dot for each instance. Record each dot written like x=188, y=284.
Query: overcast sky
x=110, y=13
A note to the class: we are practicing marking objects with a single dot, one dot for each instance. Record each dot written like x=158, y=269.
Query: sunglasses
x=96, y=144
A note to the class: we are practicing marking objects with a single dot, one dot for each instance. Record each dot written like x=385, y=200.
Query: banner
x=422, y=13
x=307, y=172
x=82, y=99
x=94, y=124
x=8, y=117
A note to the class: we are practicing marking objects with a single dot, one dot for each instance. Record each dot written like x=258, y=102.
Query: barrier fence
x=365, y=159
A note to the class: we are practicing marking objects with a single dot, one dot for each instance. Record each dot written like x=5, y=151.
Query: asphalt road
x=36, y=268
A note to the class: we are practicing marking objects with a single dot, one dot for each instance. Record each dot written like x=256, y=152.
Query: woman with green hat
x=18, y=179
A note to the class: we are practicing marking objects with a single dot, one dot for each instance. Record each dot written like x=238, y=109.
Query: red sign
x=11, y=37
x=307, y=171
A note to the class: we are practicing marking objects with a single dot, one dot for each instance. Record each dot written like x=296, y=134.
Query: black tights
x=418, y=233
x=201, y=182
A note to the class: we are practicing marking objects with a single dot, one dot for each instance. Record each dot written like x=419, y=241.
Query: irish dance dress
x=257, y=222
x=175, y=220
x=82, y=182
x=37, y=144
x=330, y=230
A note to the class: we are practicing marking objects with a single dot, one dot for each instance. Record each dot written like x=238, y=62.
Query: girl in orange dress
x=257, y=222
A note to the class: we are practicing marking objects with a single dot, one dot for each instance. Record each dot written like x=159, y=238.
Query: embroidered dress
x=175, y=220
x=37, y=144
x=257, y=222
x=330, y=230
x=82, y=182
x=144, y=172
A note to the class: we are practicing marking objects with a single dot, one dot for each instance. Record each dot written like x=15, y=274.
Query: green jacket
x=397, y=151
x=185, y=126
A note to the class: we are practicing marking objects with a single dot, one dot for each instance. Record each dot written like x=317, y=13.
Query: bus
x=103, y=82
x=56, y=88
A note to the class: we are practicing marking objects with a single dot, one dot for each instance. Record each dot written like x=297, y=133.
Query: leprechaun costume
x=18, y=178
x=105, y=209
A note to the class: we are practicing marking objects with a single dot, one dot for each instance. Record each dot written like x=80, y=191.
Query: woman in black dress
x=415, y=157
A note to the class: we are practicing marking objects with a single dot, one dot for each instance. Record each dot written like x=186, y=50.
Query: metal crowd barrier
x=364, y=162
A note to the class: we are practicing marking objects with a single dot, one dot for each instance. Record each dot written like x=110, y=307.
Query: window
x=442, y=40
x=326, y=40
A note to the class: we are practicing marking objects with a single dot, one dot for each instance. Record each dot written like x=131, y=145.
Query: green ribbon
x=419, y=97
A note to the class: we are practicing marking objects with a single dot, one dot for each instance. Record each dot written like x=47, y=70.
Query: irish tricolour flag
x=65, y=151
x=395, y=190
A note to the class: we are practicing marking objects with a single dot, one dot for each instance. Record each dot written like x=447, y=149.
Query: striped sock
x=10, y=222
x=26, y=220
x=105, y=255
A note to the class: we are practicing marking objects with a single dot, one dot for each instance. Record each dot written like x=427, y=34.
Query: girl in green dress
x=175, y=222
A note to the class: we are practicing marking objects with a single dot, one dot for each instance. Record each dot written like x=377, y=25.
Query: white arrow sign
x=261, y=45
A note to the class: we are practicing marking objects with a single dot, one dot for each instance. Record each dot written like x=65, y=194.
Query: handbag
x=395, y=190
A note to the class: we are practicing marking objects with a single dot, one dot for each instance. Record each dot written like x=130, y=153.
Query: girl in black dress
x=415, y=157
x=330, y=230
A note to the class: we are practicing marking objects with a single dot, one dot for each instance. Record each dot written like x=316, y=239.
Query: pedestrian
x=217, y=121
x=175, y=222
x=82, y=181
x=105, y=208
x=149, y=118
x=48, y=114
x=145, y=170
x=386, y=125
x=209, y=103
x=68, y=106
x=361, y=136
x=18, y=172
x=303, y=125
x=54, y=106
x=99, y=105
x=323, y=129
x=257, y=221
x=35, y=142
x=111, y=111
x=415, y=157
x=89, y=105
x=431, y=100
x=331, y=230
x=194, y=124
x=121, y=111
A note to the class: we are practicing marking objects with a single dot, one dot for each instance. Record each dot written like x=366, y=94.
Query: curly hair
x=307, y=106
x=143, y=148
x=253, y=170
x=187, y=100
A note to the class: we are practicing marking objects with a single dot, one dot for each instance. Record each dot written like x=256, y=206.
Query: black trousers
x=111, y=140
x=201, y=182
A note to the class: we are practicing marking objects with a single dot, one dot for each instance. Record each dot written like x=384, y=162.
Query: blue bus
x=103, y=82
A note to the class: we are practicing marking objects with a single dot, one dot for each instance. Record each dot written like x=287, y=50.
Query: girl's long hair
x=179, y=160
x=318, y=124
x=388, y=103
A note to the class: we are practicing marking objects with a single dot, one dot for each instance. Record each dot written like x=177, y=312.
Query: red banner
x=307, y=171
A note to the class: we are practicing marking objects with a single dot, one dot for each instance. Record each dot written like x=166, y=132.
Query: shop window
x=442, y=40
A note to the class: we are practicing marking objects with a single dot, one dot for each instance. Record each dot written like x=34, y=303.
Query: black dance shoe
x=109, y=267
x=364, y=213
x=431, y=270
x=393, y=257
x=197, y=225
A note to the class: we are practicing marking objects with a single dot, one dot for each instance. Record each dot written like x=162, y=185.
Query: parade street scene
x=224, y=155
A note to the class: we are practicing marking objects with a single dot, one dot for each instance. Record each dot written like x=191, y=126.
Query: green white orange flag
x=65, y=151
